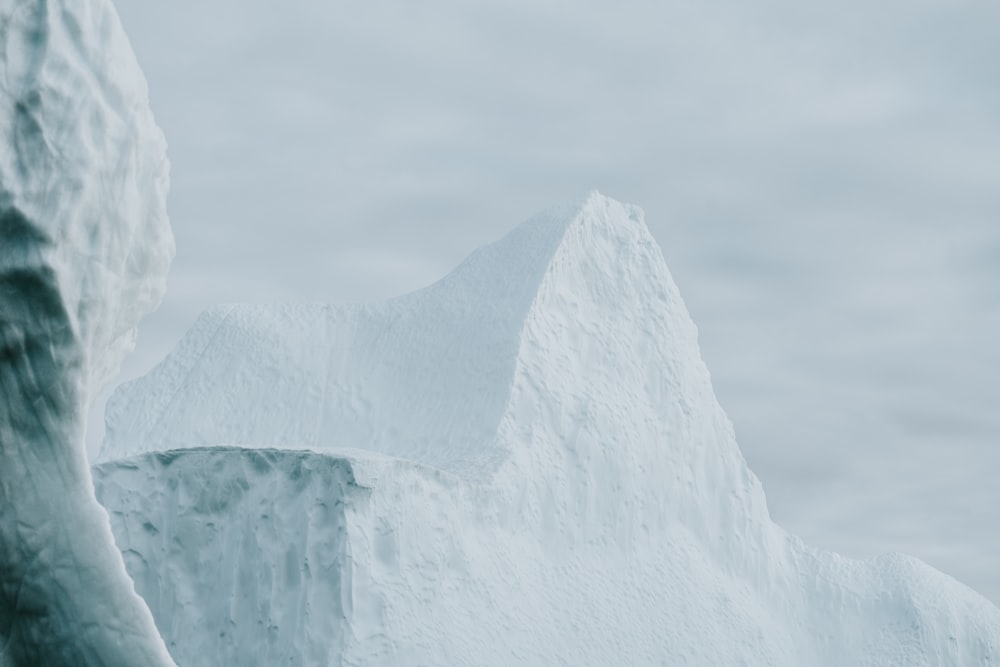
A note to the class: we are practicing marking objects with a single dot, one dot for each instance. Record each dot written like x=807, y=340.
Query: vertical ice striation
x=84, y=249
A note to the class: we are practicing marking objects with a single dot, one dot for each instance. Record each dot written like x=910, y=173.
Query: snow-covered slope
x=84, y=249
x=521, y=464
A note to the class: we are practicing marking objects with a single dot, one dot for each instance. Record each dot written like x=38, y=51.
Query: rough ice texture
x=524, y=463
x=84, y=249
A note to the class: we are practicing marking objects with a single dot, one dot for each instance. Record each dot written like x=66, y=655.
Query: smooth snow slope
x=84, y=250
x=521, y=464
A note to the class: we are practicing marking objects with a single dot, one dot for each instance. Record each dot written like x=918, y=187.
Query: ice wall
x=521, y=464
x=84, y=249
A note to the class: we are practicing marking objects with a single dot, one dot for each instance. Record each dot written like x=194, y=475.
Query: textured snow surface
x=524, y=463
x=84, y=249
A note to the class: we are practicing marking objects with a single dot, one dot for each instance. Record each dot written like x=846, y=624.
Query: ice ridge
x=84, y=250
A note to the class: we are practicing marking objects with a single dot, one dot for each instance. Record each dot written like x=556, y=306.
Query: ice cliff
x=84, y=249
x=524, y=463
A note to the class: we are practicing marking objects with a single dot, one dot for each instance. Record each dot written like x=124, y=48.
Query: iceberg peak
x=384, y=377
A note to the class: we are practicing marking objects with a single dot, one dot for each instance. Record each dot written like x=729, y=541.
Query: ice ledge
x=347, y=558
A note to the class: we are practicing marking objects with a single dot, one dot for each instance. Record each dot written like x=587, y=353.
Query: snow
x=85, y=249
x=524, y=463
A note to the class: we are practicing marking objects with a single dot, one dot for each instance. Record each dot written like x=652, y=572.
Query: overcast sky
x=824, y=179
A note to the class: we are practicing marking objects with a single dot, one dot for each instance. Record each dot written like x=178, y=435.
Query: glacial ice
x=524, y=463
x=84, y=250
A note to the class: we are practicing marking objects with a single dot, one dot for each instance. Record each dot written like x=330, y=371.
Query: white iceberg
x=84, y=250
x=524, y=463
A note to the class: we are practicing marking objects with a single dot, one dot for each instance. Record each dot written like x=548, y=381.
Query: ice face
x=524, y=463
x=84, y=249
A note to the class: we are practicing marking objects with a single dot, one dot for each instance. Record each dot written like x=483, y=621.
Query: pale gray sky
x=824, y=179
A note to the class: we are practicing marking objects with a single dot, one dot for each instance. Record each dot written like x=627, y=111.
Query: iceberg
x=84, y=249
x=524, y=463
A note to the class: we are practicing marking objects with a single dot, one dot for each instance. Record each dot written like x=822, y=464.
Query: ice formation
x=524, y=463
x=84, y=249
x=521, y=464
